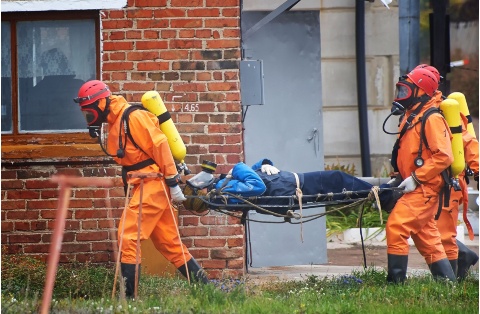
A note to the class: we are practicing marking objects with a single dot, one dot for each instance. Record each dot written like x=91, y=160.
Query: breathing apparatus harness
x=444, y=195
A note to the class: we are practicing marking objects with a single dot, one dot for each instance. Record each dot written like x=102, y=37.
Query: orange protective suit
x=413, y=215
x=157, y=218
x=448, y=220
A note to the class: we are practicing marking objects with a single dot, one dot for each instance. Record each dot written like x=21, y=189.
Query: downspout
x=362, y=87
x=409, y=30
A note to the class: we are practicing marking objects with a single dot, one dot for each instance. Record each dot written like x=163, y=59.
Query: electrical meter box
x=251, y=82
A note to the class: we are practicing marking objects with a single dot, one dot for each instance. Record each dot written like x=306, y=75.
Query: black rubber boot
x=466, y=258
x=454, y=264
x=397, y=268
x=442, y=270
x=196, y=272
x=128, y=272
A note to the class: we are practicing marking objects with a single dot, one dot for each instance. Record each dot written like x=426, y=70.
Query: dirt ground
x=376, y=256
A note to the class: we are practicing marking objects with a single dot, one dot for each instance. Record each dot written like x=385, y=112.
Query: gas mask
x=406, y=93
x=95, y=117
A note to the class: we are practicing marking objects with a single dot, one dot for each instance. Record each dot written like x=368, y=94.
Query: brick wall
x=187, y=50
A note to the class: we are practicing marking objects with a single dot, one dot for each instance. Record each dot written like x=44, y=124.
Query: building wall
x=189, y=52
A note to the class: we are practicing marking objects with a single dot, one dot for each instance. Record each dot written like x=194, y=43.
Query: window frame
x=32, y=145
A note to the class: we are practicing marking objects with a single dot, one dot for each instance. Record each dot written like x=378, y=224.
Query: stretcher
x=287, y=206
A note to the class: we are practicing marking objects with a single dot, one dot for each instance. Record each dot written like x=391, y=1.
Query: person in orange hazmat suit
x=146, y=151
x=414, y=213
x=461, y=257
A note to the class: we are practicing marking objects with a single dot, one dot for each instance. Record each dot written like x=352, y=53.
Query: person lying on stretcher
x=264, y=179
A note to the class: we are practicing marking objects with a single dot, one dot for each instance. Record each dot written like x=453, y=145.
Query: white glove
x=409, y=184
x=229, y=174
x=269, y=169
x=177, y=194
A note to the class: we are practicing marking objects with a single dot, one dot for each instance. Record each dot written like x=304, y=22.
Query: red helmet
x=92, y=91
x=431, y=69
x=424, y=79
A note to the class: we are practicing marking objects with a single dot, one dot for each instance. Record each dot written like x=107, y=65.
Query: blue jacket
x=244, y=182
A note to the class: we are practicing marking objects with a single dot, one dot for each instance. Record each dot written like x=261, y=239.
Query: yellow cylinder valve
x=152, y=101
x=451, y=112
x=460, y=98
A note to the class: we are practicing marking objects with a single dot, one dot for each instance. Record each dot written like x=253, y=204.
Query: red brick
x=117, y=66
x=117, y=45
x=166, y=12
x=186, y=33
x=203, y=33
x=186, y=3
x=12, y=185
x=92, y=236
x=231, y=12
x=210, y=242
x=116, y=35
x=75, y=247
x=117, y=56
x=153, y=23
x=89, y=224
x=194, y=231
x=204, y=12
x=22, y=214
x=153, y=66
x=148, y=45
x=213, y=220
x=102, y=246
x=173, y=54
x=7, y=226
x=11, y=205
x=89, y=214
x=150, y=3
x=116, y=14
x=190, y=221
x=24, y=238
x=235, y=242
x=236, y=263
x=22, y=225
x=226, y=253
x=222, y=23
x=147, y=34
x=199, y=253
x=185, y=44
x=224, y=43
x=222, y=3
x=36, y=248
x=38, y=225
x=140, y=13
x=226, y=231
x=117, y=24
x=209, y=264
x=9, y=174
x=49, y=194
x=52, y=214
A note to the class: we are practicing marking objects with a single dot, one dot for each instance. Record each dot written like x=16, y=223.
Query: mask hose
x=399, y=109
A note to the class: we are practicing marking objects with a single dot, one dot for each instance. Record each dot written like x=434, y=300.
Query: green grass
x=88, y=290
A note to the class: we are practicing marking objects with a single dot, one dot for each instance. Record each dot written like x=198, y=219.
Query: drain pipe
x=362, y=87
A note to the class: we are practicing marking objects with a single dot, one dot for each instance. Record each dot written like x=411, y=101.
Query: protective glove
x=229, y=174
x=177, y=194
x=409, y=184
x=269, y=169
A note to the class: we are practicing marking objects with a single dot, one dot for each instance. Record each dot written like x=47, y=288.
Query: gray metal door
x=287, y=129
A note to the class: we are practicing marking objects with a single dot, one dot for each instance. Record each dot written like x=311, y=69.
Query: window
x=46, y=57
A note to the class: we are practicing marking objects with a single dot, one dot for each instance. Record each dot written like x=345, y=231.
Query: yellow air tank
x=451, y=112
x=152, y=101
x=460, y=98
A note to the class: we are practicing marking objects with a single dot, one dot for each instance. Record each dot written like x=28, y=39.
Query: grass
x=88, y=289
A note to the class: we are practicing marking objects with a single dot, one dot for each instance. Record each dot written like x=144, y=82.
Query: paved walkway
x=342, y=260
